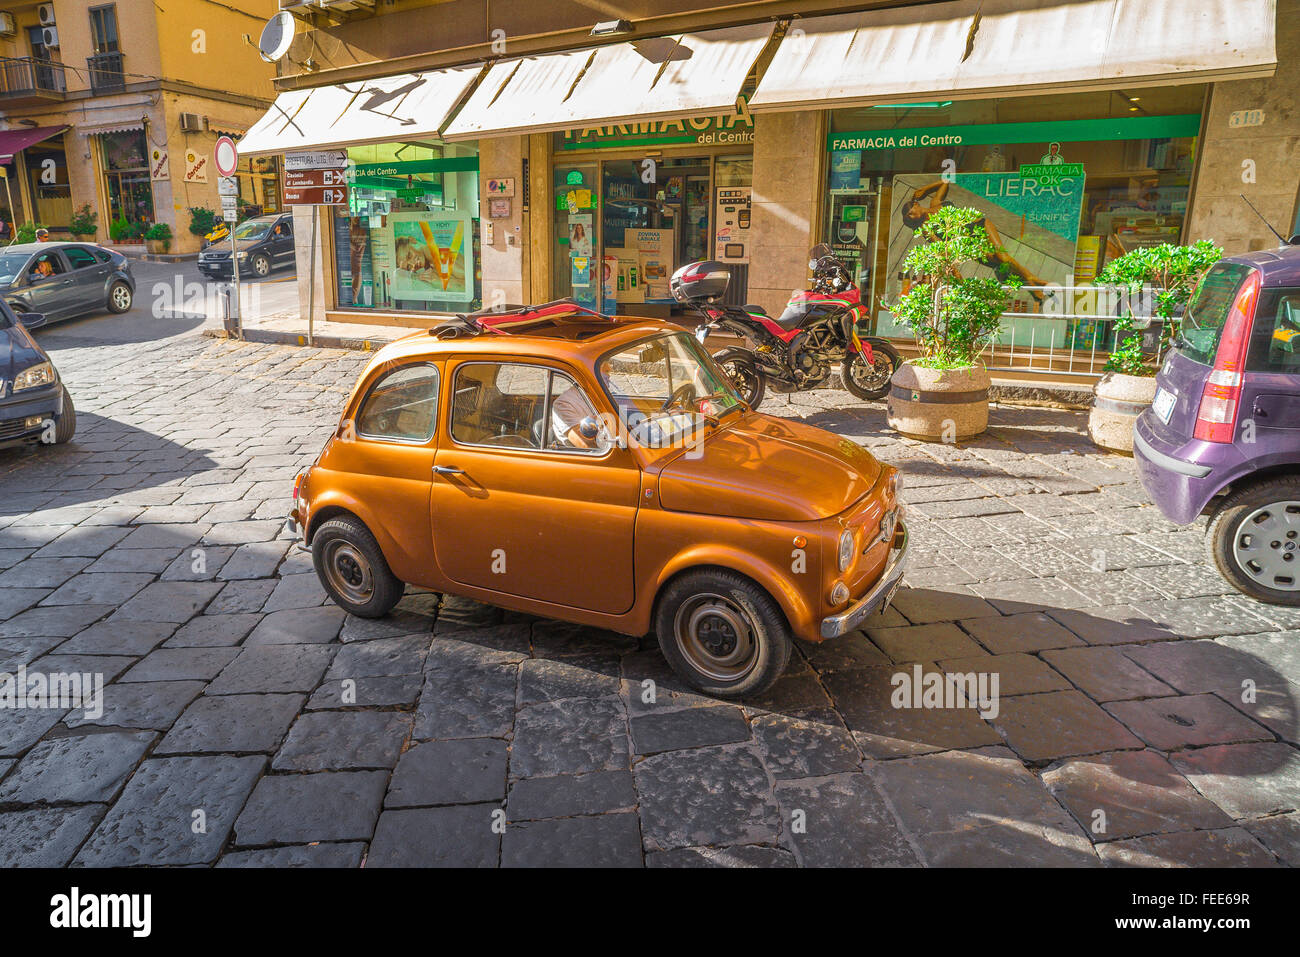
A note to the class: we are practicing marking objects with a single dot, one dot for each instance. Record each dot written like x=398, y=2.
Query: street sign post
x=301, y=178
x=226, y=157
x=316, y=159
x=315, y=195
x=315, y=178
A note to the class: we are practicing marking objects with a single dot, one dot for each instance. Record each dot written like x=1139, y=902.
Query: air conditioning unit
x=45, y=13
x=50, y=37
x=193, y=123
x=8, y=25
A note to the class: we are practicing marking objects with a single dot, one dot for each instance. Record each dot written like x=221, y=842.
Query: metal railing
x=30, y=76
x=1068, y=330
x=106, y=73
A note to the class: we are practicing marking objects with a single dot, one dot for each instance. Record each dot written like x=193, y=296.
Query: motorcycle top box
x=700, y=282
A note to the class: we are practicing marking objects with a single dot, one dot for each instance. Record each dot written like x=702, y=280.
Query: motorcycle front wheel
x=746, y=378
x=871, y=382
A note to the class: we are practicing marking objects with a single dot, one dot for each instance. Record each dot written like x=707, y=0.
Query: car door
x=282, y=244
x=89, y=279
x=54, y=293
x=518, y=509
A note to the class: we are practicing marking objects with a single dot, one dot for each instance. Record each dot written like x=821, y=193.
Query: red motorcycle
x=820, y=328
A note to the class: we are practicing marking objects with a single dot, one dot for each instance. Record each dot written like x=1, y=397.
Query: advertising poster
x=655, y=252
x=580, y=234
x=432, y=257
x=353, y=234
x=1032, y=219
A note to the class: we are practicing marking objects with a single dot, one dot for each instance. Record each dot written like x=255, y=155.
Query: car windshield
x=11, y=266
x=1202, y=324
x=665, y=389
x=252, y=229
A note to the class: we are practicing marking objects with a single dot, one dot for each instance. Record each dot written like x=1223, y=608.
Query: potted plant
x=26, y=233
x=943, y=394
x=84, y=224
x=202, y=220
x=119, y=230
x=158, y=238
x=1128, y=386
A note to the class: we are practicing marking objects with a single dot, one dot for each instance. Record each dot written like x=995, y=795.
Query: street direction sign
x=316, y=159
x=300, y=178
x=315, y=195
x=227, y=186
x=226, y=156
x=230, y=215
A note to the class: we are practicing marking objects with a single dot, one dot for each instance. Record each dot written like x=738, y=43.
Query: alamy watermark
x=60, y=690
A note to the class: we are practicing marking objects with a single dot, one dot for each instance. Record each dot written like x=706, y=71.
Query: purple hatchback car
x=1226, y=419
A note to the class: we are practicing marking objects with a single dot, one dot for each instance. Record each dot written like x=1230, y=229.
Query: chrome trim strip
x=836, y=625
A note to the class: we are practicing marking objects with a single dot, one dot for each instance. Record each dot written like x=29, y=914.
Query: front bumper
x=878, y=598
x=46, y=402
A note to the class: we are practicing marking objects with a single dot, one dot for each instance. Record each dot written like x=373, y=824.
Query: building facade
x=116, y=106
x=534, y=154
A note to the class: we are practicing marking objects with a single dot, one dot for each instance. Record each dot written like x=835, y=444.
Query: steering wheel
x=682, y=394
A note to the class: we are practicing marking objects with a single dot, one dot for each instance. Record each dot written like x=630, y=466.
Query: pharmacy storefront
x=635, y=201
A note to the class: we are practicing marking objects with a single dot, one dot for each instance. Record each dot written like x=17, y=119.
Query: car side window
x=80, y=258
x=100, y=255
x=1275, y=333
x=520, y=406
x=402, y=406
x=46, y=265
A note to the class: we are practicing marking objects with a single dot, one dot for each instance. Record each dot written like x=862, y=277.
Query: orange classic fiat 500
x=600, y=470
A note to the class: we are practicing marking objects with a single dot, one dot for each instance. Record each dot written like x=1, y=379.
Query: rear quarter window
x=1202, y=324
x=1275, y=334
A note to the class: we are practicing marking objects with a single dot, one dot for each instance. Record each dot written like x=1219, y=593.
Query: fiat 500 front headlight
x=42, y=374
x=846, y=549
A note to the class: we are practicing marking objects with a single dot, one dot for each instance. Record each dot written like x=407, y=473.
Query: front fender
x=794, y=604
x=331, y=501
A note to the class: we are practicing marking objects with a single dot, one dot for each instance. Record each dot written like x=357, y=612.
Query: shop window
x=408, y=240
x=126, y=175
x=259, y=185
x=623, y=226
x=1065, y=184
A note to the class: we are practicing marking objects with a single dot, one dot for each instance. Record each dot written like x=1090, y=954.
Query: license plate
x=884, y=605
x=1163, y=406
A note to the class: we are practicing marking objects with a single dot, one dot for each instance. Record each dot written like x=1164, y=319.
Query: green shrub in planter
x=119, y=229
x=84, y=222
x=26, y=233
x=202, y=220
x=158, y=231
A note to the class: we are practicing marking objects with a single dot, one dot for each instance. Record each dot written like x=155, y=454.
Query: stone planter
x=939, y=405
x=1117, y=402
x=158, y=246
x=83, y=237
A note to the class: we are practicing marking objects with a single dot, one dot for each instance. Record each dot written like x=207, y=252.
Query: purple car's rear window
x=1203, y=322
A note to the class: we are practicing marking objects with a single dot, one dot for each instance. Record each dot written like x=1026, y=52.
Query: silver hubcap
x=871, y=376
x=121, y=297
x=1267, y=546
x=261, y=267
x=348, y=571
x=716, y=637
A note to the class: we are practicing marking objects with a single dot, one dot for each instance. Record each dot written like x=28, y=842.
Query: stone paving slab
x=1146, y=714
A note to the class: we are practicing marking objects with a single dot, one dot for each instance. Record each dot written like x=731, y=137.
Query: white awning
x=391, y=109
x=982, y=48
x=685, y=75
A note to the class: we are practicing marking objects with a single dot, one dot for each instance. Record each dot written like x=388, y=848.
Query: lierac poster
x=432, y=257
x=1032, y=217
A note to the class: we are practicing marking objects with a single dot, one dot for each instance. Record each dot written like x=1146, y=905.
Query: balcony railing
x=30, y=79
x=105, y=71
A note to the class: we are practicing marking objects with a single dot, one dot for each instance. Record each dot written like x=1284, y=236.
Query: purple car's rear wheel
x=1254, y=540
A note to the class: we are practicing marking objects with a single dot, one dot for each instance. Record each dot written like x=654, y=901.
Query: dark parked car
x=1226, y=419
x=262, y=244
x=63, y=280
x=34, y=404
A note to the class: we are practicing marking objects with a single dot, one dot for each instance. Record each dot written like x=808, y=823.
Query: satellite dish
x=277, y=36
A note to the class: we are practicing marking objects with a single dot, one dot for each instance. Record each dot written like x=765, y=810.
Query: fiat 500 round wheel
x=1254, y=540
x=722, y=633
x=353, y=570
x=745, y=377
x=871, y=381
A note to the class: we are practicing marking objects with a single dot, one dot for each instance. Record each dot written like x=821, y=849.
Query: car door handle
x=447, y=470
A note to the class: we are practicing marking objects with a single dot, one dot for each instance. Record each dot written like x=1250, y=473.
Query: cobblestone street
x=1147, y=714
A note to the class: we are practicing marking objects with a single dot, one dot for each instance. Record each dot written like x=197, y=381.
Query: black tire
x=353, y=570
x=887, y=361
x=1242, y=524
x=721, y=603
x=65, y=424
x=745, y=376
x=260, y=265
x=120, y=298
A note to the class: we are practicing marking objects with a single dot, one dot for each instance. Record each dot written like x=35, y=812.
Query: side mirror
x=32, y=319
x=589, y=427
